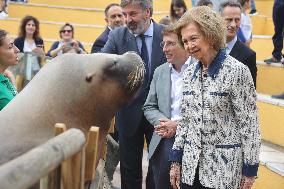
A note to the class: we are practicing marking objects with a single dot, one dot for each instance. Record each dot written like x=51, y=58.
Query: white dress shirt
x=176, y=90
x=230, y=45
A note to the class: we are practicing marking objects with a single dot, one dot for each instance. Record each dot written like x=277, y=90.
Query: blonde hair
x=211, y=25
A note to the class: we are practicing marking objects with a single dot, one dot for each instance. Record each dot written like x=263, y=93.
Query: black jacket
x=20, y=41
x=246, y=56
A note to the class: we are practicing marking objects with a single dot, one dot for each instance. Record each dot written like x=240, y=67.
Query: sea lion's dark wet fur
x=60, y=93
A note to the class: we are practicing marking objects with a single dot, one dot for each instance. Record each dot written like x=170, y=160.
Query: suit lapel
x=156, y=49
x=167, y=90
x=235, y=50
x=131, y=44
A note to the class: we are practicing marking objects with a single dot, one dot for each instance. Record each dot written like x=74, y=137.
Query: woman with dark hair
x=178, y=8
x=29, y=39
x=8, y=57
x=67, y=44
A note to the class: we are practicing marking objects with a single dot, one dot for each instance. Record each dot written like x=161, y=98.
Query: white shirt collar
x=149, y=32
x=231, y=44
x=184, y=66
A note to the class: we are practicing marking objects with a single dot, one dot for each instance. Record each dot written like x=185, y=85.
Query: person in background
x=165, y=20
x=217, y=140
x=245, y=30
x=8, y=57
x=253, y=10
x=205, y=3
x=142, y=35
x=162, y=105
x=278, y=21
x=29, y=39
x=67, y=44
x=177, y=9
x=231, y=12
x=114, y=19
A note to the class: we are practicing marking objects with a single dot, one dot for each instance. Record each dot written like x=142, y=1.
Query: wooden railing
x=58, y=164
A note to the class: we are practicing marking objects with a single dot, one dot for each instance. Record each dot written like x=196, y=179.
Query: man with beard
x=114, y=18
x=143, y=36
x=231, y=12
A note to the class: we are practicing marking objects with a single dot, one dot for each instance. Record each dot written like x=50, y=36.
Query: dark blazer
x=20, y=41
x=100, y=41
x=120, y=41
x=246, y=56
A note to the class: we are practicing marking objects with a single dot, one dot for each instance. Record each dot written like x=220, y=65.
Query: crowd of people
x=197, y=106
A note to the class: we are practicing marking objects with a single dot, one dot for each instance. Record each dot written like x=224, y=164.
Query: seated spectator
x=114, y=19
x=67, y=44
x=29, y=39
x=8, y=57
x=245, y=30
x=165, y=21
x=205, y=3
x=31, y=44
x=178, y=8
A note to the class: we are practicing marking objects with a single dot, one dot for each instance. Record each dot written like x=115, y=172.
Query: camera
x=70, y=44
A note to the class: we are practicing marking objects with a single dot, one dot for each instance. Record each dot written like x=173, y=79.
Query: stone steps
x=270, y=78
x=271, y=113
x=271, y=170
x=79, y=15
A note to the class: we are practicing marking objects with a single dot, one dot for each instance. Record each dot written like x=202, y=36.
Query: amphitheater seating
x=88, y=18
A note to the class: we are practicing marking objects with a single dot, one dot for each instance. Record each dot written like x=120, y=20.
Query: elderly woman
x=8, y=57
x=217, y=140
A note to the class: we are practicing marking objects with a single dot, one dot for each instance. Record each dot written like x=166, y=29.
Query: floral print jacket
x=219, y=129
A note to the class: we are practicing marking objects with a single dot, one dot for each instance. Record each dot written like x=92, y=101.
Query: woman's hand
x=247, y=182
x=39, y=51
x=167, y=128
x=175, y=175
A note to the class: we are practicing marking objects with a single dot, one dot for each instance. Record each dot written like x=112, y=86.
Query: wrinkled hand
x=175, y=176
x=247, y=182
x=166, y=128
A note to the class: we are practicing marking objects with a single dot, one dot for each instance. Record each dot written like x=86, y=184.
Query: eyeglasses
x=167, y=44
x=64, y=31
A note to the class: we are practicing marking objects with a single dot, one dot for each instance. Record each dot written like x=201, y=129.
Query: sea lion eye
x=115, y=62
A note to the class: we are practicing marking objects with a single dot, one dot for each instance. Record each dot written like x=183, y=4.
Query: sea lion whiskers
x=135, y=76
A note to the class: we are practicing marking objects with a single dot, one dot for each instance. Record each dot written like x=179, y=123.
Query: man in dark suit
x=114, y=18
x=231, y=12
x=143, y=36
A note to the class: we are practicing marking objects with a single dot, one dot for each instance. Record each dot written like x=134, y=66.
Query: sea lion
x=78, y=90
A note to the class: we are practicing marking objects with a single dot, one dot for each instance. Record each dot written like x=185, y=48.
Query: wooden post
x=72, y=172
x=52, y=180
x=27, y=169
x=91, y=149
